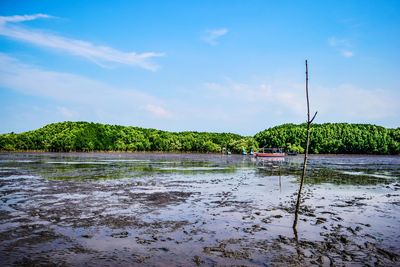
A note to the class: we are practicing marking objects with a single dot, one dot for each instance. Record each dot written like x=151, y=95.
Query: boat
x=270, y=152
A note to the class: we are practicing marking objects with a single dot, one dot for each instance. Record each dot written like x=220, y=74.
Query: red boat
x=270, y=152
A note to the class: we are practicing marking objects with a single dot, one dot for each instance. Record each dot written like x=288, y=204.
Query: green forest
x=85, y=136
x=333, y=138
x=326, y=138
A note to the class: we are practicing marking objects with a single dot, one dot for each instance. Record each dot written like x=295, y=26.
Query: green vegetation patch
x=333, y=138
x=85, y=136
x=327, y=138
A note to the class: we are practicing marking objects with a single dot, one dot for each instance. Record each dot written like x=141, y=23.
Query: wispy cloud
x=21, y=18
x=348, y=102
x=100, y=55
x=211, y=36
x=67, y=113
x=71, y=92
x=158, y=111
x=240, y=91
x=347, y=53
x=334, y=42
x=213, y=106
x=343, y=46
x=352, y=22
x=345, y=102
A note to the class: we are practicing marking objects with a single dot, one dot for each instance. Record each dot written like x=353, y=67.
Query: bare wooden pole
x=309, y=121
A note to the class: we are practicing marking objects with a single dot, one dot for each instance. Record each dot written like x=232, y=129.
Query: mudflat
x=107, y=209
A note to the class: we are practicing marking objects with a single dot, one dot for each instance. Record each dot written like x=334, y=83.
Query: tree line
x=333, y=138
x=84, y=136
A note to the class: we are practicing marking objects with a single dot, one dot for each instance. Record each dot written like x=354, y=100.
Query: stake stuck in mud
x=309, y=121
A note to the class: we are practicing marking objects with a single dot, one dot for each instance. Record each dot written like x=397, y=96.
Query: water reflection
x=352, y=170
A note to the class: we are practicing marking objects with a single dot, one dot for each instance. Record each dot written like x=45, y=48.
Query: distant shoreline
x=326, y=138
x=175, y=153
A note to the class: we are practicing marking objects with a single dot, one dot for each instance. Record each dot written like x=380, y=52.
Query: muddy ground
x=197, y=210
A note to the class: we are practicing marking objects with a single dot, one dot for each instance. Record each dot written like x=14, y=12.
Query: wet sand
x=185, y=210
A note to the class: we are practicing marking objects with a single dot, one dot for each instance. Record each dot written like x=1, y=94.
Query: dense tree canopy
x=85, y=136
x=334, y=138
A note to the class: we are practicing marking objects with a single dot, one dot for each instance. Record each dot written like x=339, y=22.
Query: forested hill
x=333, y=138
x=85, y=136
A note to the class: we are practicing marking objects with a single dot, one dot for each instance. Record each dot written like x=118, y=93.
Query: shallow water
x=190, y=209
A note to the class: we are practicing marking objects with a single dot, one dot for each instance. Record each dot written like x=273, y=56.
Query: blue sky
x=224, y=66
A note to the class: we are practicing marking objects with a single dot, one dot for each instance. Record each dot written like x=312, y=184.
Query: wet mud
x=197, y=210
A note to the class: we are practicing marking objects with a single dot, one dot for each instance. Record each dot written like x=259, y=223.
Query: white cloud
x=158, y=111
x=211, y=36
x=272, y=97
x=347, y=53
x=352, y=103
x=94, y=99
x=243, y=107
x=67, y=113
x=343, y=46
x=344, y=102
x=240, y=91
x=334, y=42
x=21, y=18
x=100, y=55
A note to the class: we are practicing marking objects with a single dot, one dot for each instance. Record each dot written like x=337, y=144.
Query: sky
x=220, y=66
